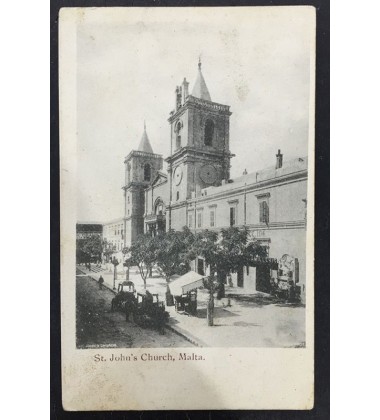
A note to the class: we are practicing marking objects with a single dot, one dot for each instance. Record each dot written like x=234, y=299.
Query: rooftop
x=144, y=145
x=200, y=88
x=288, y=167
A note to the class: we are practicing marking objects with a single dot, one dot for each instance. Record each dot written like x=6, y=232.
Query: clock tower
x=200, y=154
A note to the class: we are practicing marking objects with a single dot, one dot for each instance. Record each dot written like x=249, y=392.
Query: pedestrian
x=101, y=281
x=229, y=280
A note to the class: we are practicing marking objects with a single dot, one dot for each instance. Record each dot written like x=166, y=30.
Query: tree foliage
x=238, y=249
x=172, y=252
x=108, y=249
x=228, y=252
x=90, y=247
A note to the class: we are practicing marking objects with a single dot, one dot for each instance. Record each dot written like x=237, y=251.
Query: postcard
x=187, y=207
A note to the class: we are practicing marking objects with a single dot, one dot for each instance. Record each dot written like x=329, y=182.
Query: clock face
x=208, y=174
x=177, y=175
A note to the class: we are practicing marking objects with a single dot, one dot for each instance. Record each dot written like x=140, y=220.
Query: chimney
x=178, y=98
x=279, y=159
x=185, y=90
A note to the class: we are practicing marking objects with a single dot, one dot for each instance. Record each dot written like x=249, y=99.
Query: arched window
x=147, y=172
x=209, y=132
x=159, y=207
x=177, y=131
x=128, y=173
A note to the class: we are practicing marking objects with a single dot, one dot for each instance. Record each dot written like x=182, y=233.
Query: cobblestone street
x=97, y=326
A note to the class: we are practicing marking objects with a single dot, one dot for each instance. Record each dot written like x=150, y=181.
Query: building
x=197, y=190
x=86, y=229
x=113, y=233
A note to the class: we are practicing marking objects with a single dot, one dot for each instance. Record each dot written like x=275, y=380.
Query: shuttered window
x=199, y=216
x=232, y=216
x=264, y=212
x=212, y=218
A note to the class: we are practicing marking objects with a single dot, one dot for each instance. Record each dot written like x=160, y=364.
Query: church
x=197, y=191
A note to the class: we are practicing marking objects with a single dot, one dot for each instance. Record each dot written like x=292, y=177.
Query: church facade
x=197, y=191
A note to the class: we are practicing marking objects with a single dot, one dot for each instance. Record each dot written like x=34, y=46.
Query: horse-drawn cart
x=125, y=294
x=150, y=311
x=146, y=309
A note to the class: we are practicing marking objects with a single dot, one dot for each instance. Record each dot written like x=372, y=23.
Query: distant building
x=197, y=190
x=86, y=229
x=114, y=234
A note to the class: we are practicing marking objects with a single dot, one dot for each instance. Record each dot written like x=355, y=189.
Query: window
x=190, y=221
x=128, y=173
x=159, y=209
x=147, y=172
x=232, y=216
x=264, y=212
x=177, y=195
x=209, y=132
x=212, y=218
x=199, y=220
x=177, y=131
x=128, y=199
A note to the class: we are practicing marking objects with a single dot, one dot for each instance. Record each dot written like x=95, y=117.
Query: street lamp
x=127, y=256
x=115, y=263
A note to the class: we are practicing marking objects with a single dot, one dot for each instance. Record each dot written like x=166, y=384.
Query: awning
x=186, y=283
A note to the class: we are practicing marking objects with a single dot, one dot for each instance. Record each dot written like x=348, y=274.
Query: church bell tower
x=141, y=167
x=200, y=154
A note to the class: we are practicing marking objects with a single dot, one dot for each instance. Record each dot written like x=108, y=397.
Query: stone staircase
x=95, y=269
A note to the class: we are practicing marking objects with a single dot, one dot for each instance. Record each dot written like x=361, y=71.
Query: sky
x=129, y=61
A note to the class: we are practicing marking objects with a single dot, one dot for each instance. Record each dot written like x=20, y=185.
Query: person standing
x=101, y=281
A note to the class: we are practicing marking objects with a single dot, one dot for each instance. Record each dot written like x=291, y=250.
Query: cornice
x=138, y=153
x=189, y=152
x=273, y=182
x=298, y=224
x=196, y=103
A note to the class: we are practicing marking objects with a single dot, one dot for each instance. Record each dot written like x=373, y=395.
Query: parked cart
x=184, y=290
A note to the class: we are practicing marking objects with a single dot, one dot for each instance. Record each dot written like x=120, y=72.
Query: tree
x=91, y=247
x=172, y=252
x=143, y=254
x=126, y=256
x=237, y=249
x=205, y=245
x=229, y=252
x=108, y=249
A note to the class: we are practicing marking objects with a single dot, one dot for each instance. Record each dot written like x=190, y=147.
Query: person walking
x=101, y=281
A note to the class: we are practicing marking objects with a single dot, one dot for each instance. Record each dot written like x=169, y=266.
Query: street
x=97, y=326
x=251, y=320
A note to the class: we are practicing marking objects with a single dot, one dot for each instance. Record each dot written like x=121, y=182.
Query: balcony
x=154, y=218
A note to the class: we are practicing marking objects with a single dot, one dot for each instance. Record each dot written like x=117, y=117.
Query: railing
x=208, y=104
x=142, y=154
x=155, y=217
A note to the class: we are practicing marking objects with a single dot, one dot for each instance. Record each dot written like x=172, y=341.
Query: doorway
x=263, y=278
x=201, y=267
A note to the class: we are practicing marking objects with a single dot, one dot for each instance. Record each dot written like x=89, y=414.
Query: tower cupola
x=144, y=145
x=200, y=88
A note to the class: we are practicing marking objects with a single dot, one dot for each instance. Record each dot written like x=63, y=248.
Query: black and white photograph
x=188, y=185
